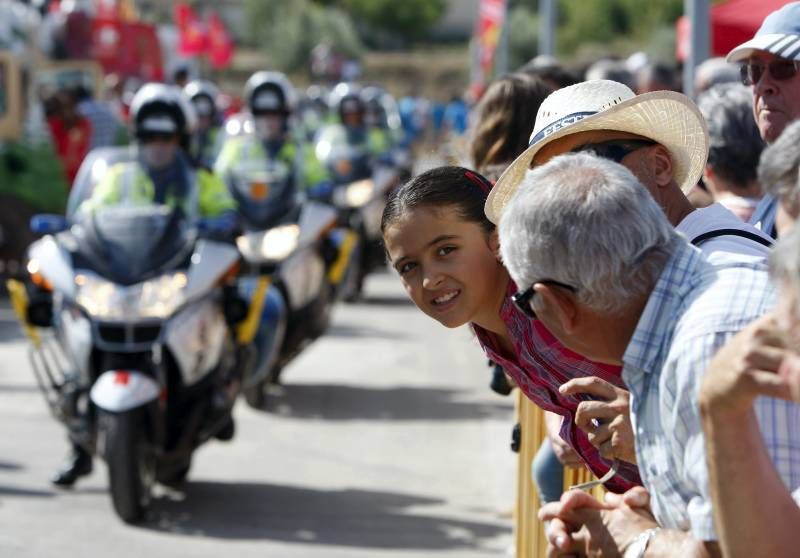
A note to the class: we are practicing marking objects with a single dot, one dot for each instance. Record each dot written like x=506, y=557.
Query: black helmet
x=269, y=92
x=162, y=109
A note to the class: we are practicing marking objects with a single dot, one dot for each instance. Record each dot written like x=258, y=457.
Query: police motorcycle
x=137, y=355
x=293, y=259
x=361, y=178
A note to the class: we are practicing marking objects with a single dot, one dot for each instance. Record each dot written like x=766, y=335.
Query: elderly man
x=760, y=361
x=602, y=268
x=661, y=137
x=770, y=63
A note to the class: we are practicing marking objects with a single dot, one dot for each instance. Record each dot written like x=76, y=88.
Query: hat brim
x=780, y=44
x=666, y=117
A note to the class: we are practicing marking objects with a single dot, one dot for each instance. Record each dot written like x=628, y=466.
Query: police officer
x=203, y=96
x=271, y=102
x=162, y=120
x=348, y=101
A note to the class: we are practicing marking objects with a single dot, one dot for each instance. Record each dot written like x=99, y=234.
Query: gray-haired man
x=770, y=63
x=639, y=295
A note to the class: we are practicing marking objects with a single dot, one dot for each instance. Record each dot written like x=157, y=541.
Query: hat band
x=560, y=123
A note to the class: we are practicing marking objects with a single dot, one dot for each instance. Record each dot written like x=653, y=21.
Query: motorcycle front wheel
x=130, y=466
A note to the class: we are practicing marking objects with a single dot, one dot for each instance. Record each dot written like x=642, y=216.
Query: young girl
x=445, y=250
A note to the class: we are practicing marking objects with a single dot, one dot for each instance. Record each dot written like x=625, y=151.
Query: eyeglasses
x=597, y=482
x=780, y=70
x=523, y=300
x=614, y=150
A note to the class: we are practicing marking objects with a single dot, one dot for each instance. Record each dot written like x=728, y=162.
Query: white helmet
x=270, y=92
x=203, y=95
x=160, y=108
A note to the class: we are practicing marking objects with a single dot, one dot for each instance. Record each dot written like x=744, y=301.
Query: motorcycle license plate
x=259, y=190
x=343, y=166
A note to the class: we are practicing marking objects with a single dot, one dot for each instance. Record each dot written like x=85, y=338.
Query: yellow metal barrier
x=529, y=531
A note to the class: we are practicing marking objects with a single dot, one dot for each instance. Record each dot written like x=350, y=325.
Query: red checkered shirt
x=539, y=366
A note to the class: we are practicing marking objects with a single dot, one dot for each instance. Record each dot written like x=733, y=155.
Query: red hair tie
x=479, y=181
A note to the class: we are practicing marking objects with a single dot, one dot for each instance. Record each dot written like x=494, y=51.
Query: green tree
x=606, y=21
x=409, y=19
x=523, y=39
x=287, y=30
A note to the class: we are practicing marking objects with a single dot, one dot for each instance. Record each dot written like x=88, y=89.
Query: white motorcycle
x=360, y=187
x=138, y=356
x=294, y=259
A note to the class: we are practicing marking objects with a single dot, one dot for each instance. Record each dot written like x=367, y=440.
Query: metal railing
x=529, y=531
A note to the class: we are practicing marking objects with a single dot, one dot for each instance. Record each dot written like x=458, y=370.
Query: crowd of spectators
x=649, y=239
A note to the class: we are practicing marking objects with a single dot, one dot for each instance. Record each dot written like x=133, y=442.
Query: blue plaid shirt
x=698, y=304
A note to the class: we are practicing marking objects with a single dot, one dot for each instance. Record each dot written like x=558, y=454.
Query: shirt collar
x=650, y=339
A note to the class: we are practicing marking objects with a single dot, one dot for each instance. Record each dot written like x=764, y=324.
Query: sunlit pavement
x=384, y=441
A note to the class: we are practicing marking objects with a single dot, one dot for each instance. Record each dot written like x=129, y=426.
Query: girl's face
x=447, y=265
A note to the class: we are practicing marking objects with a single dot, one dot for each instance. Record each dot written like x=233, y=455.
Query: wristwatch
x=639, y=545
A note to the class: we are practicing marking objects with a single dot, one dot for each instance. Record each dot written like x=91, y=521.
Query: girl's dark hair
x=449, y=186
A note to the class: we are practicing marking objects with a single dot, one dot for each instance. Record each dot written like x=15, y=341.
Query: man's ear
x=662, y=165
x=560, y=305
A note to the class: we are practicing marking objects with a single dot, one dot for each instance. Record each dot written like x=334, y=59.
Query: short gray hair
x=589, y=223
x=784, y=262
x=735, y=143
x=714, y=71
x=779, y=170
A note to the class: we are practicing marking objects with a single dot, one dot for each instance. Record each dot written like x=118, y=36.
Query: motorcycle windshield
x=128, y=226
x=262, y=187
x=345, y=161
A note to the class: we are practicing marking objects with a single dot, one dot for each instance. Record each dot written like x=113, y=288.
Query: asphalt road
x=384, y=441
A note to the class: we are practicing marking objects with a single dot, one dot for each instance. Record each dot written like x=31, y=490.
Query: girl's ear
x=494, y=243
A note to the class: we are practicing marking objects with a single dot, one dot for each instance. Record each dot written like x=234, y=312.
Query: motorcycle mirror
x=47, y=223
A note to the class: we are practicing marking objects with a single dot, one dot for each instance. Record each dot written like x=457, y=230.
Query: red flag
x=193, y=38
x=220, y=44
x=488, y=27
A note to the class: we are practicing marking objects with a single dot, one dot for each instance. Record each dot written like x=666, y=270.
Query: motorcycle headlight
x=355, y=194
x=156, y=298
x=273, y=245
x=323, y=150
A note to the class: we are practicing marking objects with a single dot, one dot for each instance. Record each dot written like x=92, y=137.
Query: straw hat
x=666, y=117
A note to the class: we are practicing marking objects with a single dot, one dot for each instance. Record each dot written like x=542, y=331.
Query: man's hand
x=745, y=368
x=606, y=422
x=564, y=453
x=789, y=371
x=582, y=526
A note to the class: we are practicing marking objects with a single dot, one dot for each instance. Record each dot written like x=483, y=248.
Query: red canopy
x=732, y=23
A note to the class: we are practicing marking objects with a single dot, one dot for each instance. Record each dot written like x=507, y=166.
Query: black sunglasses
x=523, y=300
x=614, y=150
x=780, y=70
